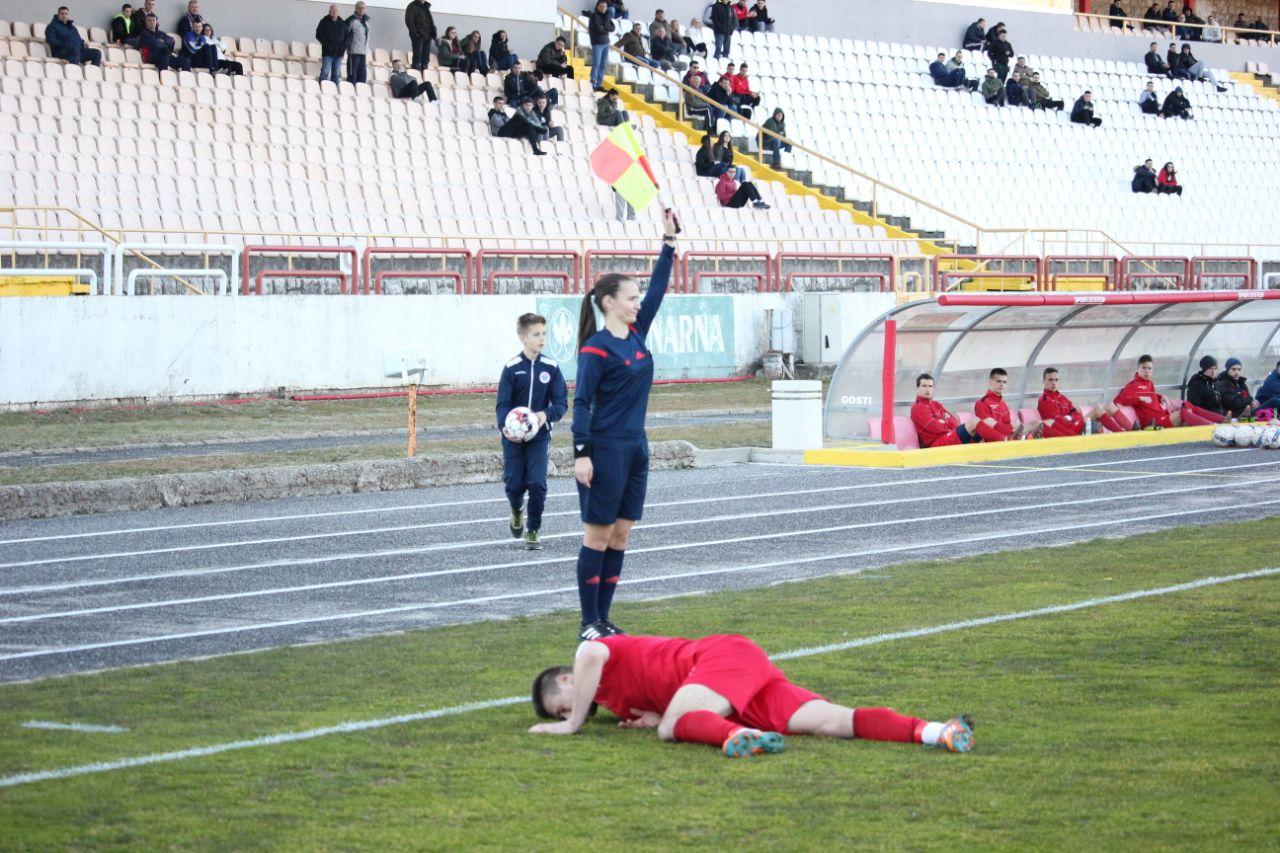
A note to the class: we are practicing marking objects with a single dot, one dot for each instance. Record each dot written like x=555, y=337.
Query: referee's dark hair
x=606, y=285
x=527, y=320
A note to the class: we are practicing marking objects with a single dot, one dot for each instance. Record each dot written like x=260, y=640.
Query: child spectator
x=1167, y=181
x=1234, y=390
x=731, y=194
x=500, y=55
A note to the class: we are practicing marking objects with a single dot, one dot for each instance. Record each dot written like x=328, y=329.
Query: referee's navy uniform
x=539, y=385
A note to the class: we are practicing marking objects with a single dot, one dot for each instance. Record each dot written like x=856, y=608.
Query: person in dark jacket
x=140, y=13
x=519, y=126
x=763, y=23
x=712, y=161
x=999, y=51
x=992, y=91
x=404, y=87
x=1234, y=391
x=976, y=35
x=65, y=42
x=1082, y=111
x=1015, y=94
x=778, y=124
x=191, y=22
x=553, y=59
x=331, y=32
x=1148, y=100
x=1188, y=66
x=422, y=32
x=609, y=111
x=1118, y=14
x=1176, y=105
x=599, y=25
x=449, y=50
x=1039, y=95
x=1171, y=59
x=722, y=93
x=200, y=52
x=724, y=23
x=665, y=51
x=357, y=46
x=952, y=78
x=992, y=33
x=123, y=32
x=1151, y=17
x=156, y=47
x=1203, y=393
x=1144, y=178
x=1269, y=391
x=632, y=44
x=520, y=84
x=474, y=60
x=1156, y=65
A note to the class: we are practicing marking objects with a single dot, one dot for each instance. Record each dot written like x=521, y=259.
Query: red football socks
x=886, y=724
x=1116, y=423
x=704, y=727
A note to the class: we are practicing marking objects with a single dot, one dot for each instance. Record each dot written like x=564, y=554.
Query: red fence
x=887, y=280
x=1108, y=270
x=571, y=279
x=349, y=282
x=462, y=280
x=1135, y=270
x=941, y=276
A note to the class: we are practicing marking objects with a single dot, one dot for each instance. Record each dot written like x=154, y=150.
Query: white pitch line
x=466, y=570
x=88, y=728
x=457, y=710
x=475, y=501
x=489, y=599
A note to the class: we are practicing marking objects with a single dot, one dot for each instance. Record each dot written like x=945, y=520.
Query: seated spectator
x=1176, y=105
x=1144, y=178
x=1169, y=15
x=1148, y=100
x=1260, y=28
x=746, y=17
x=956, y=63
x=995, y=421
x=500, y=55
x=1234, y=390
x=664, y=50
x=676, y=32
x=189, y=22
x=227, y=66
x=949, y=78
x=156, y=47
x=1156, y=65
x=1269, y=391
x=1167, y=181
x=1151, y=17
x=553, y=59
x=709, y=162
x=1059, y=417
x=762, y=22
x=1204, y=394
x=609, y=112
x=1212, y=31
x=123, y=32
x=696, y=78
x=1151, y=407
x=331, y=32
x=140, y=13
x=65, y=43
x=525, y=125
x=449, y=51
x=497, y=115
x=1118, y=14
x=740, y=83
x=198, y=51
x=1185, y=33
x=1039, y=95
x=975, y=38
x=473, y=58
x=778, y=124
x=545, y=109
x=633, y=43
x=659, y=20
x=1015, y=94
x=1194, y=69
x=1082, y=111
x=618, y=9
x=1240, y=26
x=732, y=194
x=404, y=87
x=520, y=84
x=1022, y=68
x=695, y=36
x=999, y=51
x=1171, y=57
x=992, y=89
x=722, y=94
x=935, y=426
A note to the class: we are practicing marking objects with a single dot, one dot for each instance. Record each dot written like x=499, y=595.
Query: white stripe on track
x=471, y=707
x=464, y=570
x=489, y=599
x=87, y=728
x=817, y=471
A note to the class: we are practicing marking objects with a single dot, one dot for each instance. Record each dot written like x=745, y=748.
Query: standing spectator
x=708, y=162
x=975, y=37
x=1148, y=100
x=190, y=22
x=1212, y=31
x=497, y=115
x=140, y=13
x=1000, y=52
x=665, y=51
x=404, y=87
x=545, y=111
x=1176, y=105
x=1015, y=94
x=357, y=45
x=992, y=89
x=764, y=23
x=422, y=32
x=198, y=51
x=156, y=47
x=448, y=51
x=950, y=78
x=1040, y=95
x=992, y=34
x=1167, y=181
x=696, y=37
x=518, y=126
x=1194, y=69
x=609, y=112
x=65, y=42
x=473, y=58
x=1118, y=14
x=1269, y=391
x=1144, y=178
x=746, y=18
x=632, y=44
x=778, y=124
x=1234, y=390
x=599, y=25
x=231, y=67
x=1082, y=111
x=1156, y=65
x=723, y=24
x=553, y=60
x=331, y=32
x=732, y=194
x=123, y=31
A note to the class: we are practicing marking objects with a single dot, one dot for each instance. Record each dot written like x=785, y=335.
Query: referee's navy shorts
x=619, y=481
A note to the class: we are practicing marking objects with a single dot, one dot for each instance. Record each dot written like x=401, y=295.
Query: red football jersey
x=643, y=672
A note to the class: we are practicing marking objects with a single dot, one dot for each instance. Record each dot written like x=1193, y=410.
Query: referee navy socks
x=590, y=563
x=611, y=571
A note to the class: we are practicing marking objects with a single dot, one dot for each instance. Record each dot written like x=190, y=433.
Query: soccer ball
x=1248, y=435
x=1271, y=438
x=522, y=423
x=1224, y=435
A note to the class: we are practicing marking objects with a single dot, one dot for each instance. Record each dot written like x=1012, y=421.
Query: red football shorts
x=742, y=673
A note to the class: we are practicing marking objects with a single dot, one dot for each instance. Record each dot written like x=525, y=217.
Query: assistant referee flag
x=620, y=162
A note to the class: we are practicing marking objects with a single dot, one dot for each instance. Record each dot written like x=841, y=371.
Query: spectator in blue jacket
x=1015, y=92
x=65, y=42
x=950, y=78
x=200, y=52
x=156, y=47
x=1268, y=395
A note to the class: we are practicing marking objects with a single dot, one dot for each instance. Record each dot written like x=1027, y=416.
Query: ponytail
x=606, y=285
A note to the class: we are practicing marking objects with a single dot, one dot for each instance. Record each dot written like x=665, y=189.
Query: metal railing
x=1271, y=37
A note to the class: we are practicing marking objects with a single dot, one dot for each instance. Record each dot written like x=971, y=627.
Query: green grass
x=1147, y=724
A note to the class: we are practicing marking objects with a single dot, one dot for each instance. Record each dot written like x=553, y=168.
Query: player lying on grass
x=720, y=690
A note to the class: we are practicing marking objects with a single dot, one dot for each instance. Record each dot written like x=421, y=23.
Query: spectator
x=1212, y=31
x=722, y=94
x=1015, y=94
x=732, y=194
x=497, y=115
x=995, y=421
x=404, y=87
x=553, y=60
x=1194, y=69
x=123, y=31
x=723, y=24
x=696, y=37
x=1000, y=52
x=545, y=110
x=1176, y=105
x=609, y=112
x=140, y=13
x=617, y=9
x=528, y=113
x=684, y=45
x=156, y=47
x=746, y=17
x=1240, y=26
x=1039, y=95
x=1171, y=58
x=633, y=44
x=998, y=29
x=778, y=124
x=1144, y=178
x=1151, y=17
x=708, y=162
x=1169, y=15
x=975, y=38
x=331, y=32
x=1184, y=33
x=1156, y=65
x=1260, y=28
x=523, y=125
x=696, y=78
x=1082, y=111
x=357, y=45
x=190, y=22
x=199, y=52
x=1234, y=391
x=599, y=25
x=448, y=51
x=473, y=58
x=422, y=32
x=950, y=78
x=520, y=84
x=1204, y=393
x=1148, y=100
x=229, y=66
x=1167, y=181
x=664, y=50
x=740, y=83
x=659, y=20
x=1118, y=14
x=935, y=426
x=65, y=42
x=1269, y=391
x=956, y=63
x=992, y=89
x=1022, y=68
x=763, y=23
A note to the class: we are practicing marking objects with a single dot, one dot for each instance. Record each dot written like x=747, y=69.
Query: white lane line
x=475, y=501
x=88, y=728
x=471, y=707
x=1002, y=535
x=63, y=587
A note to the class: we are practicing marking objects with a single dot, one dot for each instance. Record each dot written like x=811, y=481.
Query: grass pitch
x=1146, y=724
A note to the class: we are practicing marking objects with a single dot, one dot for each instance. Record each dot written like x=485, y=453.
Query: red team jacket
x=1067, y=420
x=934, y=423
x=1148, y=413
x=992, y=405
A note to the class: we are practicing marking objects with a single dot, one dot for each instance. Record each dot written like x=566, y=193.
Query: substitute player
x=1151, y=406
x=995, y=421
x=533, y=380
x=935, y=426
x=611, y=453
x=720, y=690
x=1059, y=417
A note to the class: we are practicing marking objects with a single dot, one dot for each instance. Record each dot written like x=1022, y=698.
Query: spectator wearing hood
x=1203, y=393
x=1148, y=100
x=1144, y=178
x=778, y=124
x=1269, y=391
x=1176, y=105
x=1039, y=95
x=1234, y=390
x=975, y=36
x=1167, y=181
x=609, y=113
x=1194, y=69
x=1082, y=111
x=65, y=43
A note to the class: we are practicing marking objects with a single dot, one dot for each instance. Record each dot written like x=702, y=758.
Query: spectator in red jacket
x=1167, y=180
x=995, y=421
x=1151, y=406
x=1059, y=417
x=746, y=17
x=742, y=87
x=731, y=194
x=935, y=426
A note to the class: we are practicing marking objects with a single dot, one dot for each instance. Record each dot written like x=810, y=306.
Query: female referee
x=611, y=453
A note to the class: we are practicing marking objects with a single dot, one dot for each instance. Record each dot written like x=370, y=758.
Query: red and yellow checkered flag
x=620, y=162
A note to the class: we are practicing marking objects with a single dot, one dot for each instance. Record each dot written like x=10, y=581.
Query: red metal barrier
x=890, y=279
x=346, y=288
x=444, y=254
x=571, y=278
x=941, y=276
x=588, y=276
x=1128, y=275
x=764, y=279
x=888, y=374
x=761, y=281
x=566, y=287
x=265, y=274
x=459, y=286
x=1248, y=278
x=1110, y=280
